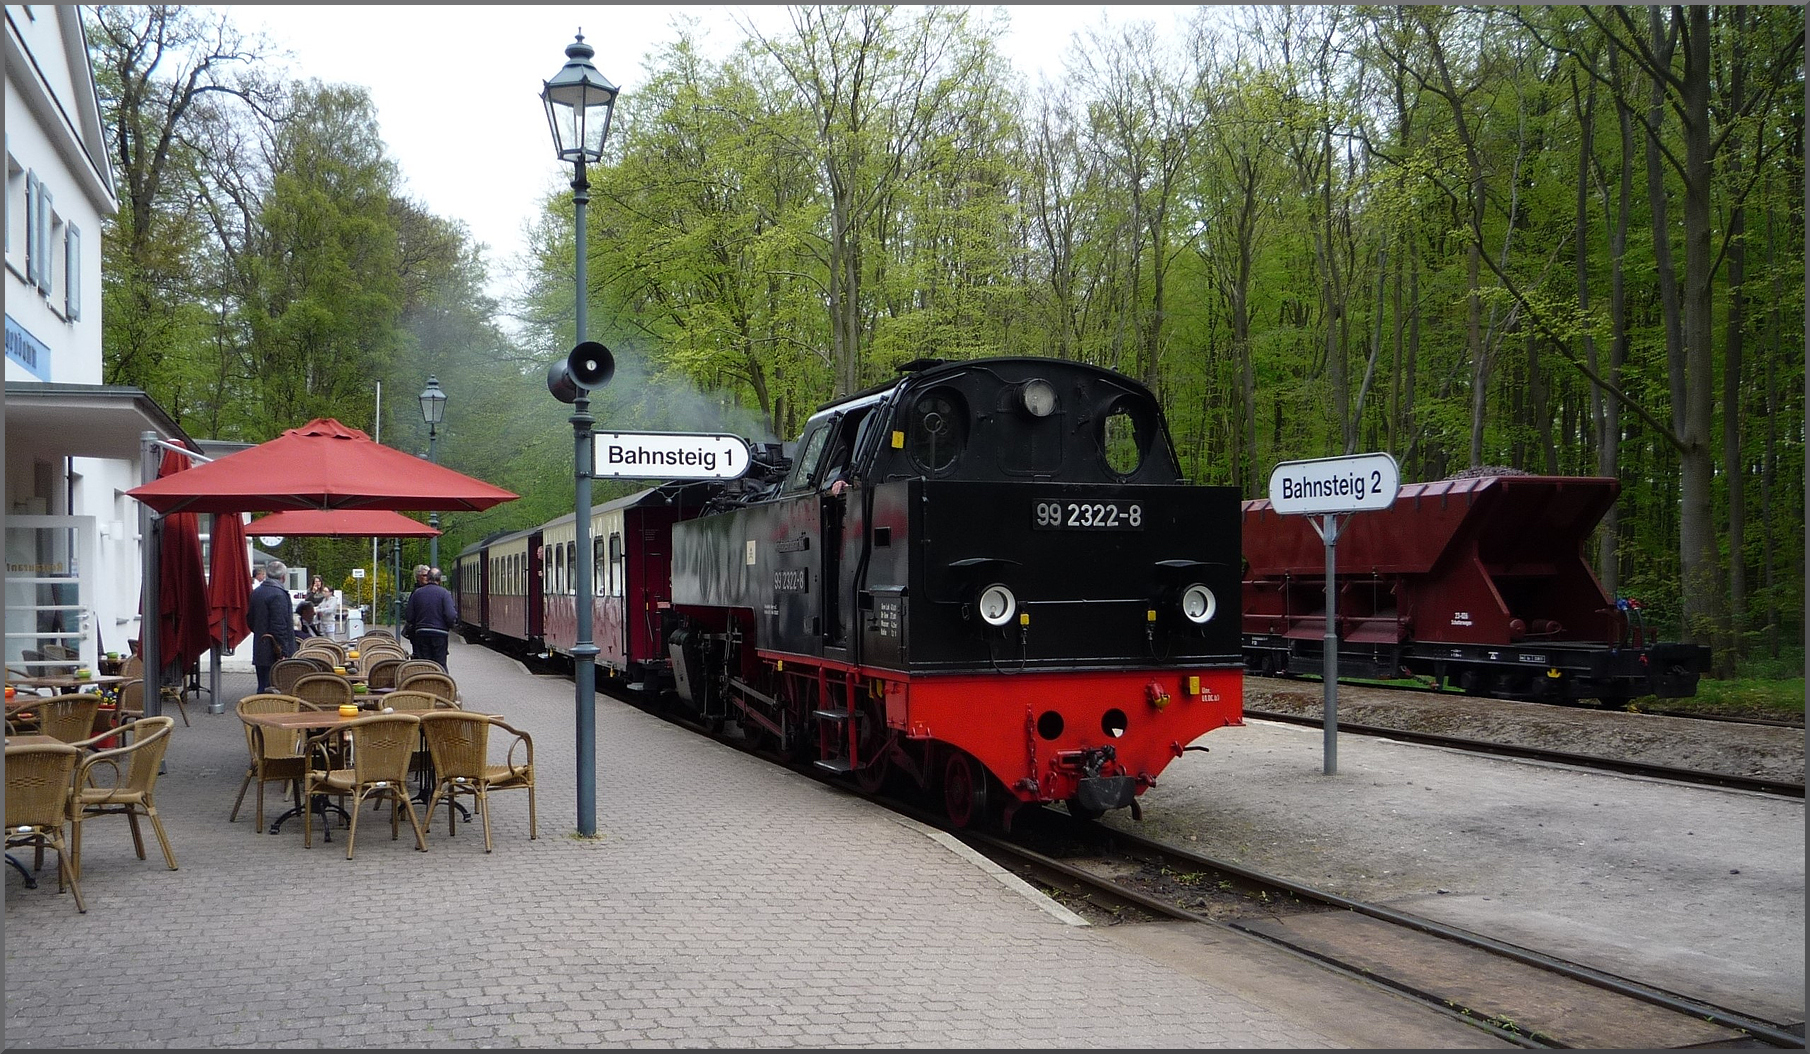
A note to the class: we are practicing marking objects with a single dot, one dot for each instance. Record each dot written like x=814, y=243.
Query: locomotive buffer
x=1331, y=488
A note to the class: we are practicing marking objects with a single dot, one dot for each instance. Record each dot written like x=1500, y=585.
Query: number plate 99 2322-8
x=1087, y=516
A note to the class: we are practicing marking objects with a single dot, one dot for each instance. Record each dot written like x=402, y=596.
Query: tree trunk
x=1702, y=592
x=1608, y=453
x=1734, y=467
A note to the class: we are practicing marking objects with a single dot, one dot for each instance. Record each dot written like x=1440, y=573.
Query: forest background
x=1567, y=240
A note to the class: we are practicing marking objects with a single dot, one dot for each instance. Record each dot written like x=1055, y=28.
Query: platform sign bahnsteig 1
x=1331, y=487
x=668, y=455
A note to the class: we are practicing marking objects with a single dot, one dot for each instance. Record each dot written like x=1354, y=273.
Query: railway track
x=1517, y=994
x=1591, y=761
x=1450, y=693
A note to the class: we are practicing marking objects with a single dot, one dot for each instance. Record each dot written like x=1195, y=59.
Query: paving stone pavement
x=725, y=902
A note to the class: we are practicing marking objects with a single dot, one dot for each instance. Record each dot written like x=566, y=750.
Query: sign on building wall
x=27, y=350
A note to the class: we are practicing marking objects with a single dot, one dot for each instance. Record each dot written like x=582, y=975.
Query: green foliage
x=1306, y=228
x=374, y=588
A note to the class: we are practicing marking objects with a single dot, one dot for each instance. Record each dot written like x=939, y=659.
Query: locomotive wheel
x=964, y=790
x=871, y=777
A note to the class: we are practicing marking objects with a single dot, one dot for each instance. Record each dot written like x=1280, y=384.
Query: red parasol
x=182, y=583
x=229, y=581
x=321, y=465
x=359, y=523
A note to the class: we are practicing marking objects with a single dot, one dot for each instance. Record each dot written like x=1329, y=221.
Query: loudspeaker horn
x=590, y=365
x=560, y=383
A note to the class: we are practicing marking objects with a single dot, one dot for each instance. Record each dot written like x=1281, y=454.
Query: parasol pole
x=150, y=620
x=377, y=430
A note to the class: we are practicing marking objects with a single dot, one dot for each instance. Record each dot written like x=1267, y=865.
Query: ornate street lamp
x=579, y=102
x=433, y=411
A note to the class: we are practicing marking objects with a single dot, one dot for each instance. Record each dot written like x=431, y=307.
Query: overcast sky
x=480, y=151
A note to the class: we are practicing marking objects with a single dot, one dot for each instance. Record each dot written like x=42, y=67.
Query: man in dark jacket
x=270, y=619
x=431, y=617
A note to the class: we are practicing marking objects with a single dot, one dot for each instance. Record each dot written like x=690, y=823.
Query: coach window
x=572, y=568
x=1122, y=441
x=615, y=565
x=600, y=571
x=936, y=429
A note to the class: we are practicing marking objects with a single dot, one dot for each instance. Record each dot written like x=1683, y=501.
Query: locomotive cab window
x=936, y=429
x=810, y=453
x=1123, y=439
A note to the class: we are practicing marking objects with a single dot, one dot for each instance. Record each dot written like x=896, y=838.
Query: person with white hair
x=271, y=619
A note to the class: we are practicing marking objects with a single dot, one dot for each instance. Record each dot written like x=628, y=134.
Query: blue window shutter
x=34, y=252
x=42, y=222
x=72, y=279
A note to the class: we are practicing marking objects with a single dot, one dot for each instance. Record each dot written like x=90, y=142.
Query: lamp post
x=433, y=411
x=579, y=102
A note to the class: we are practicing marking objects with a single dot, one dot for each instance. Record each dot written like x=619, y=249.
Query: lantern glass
x=579, y=101
x=433, y=403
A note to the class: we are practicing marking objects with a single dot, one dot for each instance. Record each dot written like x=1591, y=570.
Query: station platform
x=724, y=902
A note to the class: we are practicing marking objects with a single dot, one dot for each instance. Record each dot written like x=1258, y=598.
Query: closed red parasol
x=356, y=523
x=228, y=584
x=183, y=606
x=321, y=465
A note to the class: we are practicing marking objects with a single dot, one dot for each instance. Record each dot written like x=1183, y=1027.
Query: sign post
x=1329, y=488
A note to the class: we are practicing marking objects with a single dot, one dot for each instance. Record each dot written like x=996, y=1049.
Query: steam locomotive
x=987, y=578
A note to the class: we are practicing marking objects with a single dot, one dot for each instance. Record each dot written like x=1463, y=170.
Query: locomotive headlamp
x=1198, y=604
x=996, y=605
x=1039, y=397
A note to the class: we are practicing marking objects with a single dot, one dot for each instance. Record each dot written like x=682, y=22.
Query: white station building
x=74, y=566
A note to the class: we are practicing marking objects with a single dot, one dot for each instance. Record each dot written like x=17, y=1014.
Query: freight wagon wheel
x=964, y=790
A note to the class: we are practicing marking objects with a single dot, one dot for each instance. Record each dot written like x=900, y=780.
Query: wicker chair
x=284, y=672
x=22, y=714
x=134, y=667
x=276, y=753
x=69, y=718
x=415, y=666
x=417, y=702
x=324, y=644
x=439, y=684
x=325, y=690
x=327, y=655
x=459, y=742
x=130, y=792
x=382, y=673
x=382, y=746
x=37, y=804
x=381, y=652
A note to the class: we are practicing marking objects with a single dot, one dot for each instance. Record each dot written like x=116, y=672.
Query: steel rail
x=1771, y=1032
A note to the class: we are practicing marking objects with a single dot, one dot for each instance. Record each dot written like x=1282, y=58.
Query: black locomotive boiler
x=988, y=576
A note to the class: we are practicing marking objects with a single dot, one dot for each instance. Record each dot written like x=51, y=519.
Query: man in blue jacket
x=431, y=617
x=271, y=621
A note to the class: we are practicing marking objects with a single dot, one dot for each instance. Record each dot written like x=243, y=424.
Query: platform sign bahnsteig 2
x=1331, y=487
x=668, y=455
